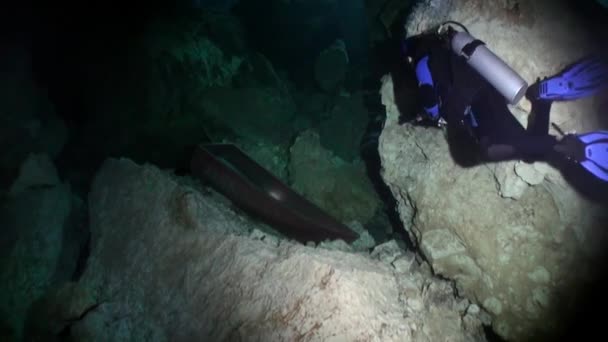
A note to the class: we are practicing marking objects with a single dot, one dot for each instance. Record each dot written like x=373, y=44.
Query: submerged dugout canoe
x=258, y=192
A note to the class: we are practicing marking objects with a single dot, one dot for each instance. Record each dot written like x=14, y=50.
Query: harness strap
x=470, y=48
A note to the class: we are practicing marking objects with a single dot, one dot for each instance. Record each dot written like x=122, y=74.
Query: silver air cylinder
x=512, y=86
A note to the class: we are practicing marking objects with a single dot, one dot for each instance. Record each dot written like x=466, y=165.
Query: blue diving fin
x=596, y=153
x=581, y=79
x=590, y=150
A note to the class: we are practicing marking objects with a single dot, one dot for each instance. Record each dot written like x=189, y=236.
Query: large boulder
x=516, y=238
x=41, y=239
x=339, y=187
x=331, y=66
x=186, y=44
x=170, y=262
x=274, y=158
x=349, y=117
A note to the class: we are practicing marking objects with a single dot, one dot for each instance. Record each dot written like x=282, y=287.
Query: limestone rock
x=349, y=117
x=509, y=183
x=185, y=46
x=157, y=281
x=340, y=188
x=529, y=173
x=57, y=309
x=365, y=240
x=35, y=224
x=363, y=244
x=387, y=252
x=36, y=170
x=500, y=230
x=331, y=66
x=273, y=158
x=510, y=239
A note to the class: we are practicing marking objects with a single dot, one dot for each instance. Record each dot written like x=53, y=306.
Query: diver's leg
x=519, y=147
x=494, y=128
x=502, y=137
x=540, y=116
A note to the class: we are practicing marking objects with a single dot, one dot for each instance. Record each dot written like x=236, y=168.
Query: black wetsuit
x=458, y=86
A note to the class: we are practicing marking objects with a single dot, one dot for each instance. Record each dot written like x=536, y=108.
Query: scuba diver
x=464, y=85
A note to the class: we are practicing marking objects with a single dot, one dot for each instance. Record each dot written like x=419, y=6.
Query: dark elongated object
x=254, y=189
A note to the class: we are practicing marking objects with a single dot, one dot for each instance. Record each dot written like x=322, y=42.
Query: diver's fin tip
x=582, y=79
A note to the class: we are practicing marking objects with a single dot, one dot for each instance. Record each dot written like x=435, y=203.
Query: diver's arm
x=430, y=75
x=417, y=47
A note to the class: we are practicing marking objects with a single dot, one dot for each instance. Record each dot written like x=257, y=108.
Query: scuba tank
x=476, y=54
x=491, y=67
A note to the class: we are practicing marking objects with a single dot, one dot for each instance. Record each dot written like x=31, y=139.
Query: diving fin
x=581, y=79
x=590, y=150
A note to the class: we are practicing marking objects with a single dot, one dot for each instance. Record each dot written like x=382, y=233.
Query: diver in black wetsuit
x=464, y=85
